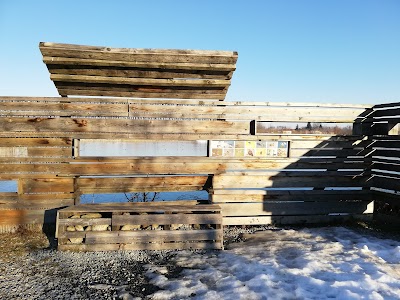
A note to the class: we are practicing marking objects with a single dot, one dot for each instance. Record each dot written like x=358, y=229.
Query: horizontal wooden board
x=83, y=222
x=140, y=236
x=141, y=81
x=259, y=113
x=116, y=92
x=386, y=182
x=98, y=70
x=139, y=183
x=51, y=45
x=27, y=216
x=120, y=125
x=47, y=185
x=167, y=219
x=65, y=62
x=306, y=219
x=37, y=206
x=310, y=195
x=329, y=152
x=156, y=207
x=192, y=166
x=35, y=151
x=63, y=109
x=29, y=142
x=293, y=208
x=387, y=105
x=186, y=102
x=237, y=182
x=167, y=56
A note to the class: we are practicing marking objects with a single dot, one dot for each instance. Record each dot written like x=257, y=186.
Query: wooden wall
x=39, y=139
x=385, y=165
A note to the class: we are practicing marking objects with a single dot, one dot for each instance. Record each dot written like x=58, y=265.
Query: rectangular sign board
x=249, y=148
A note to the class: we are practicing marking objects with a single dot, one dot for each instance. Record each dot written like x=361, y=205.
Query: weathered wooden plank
x=385, y=166
x=327, y=152
x=387, y=105
x=27, y=216
x=84, y=222
x=146, y=236
x=237, y=182
x=47, y=185
x=186, y=102
x=143, y=93
x=195, y=66
x=28, y=142
x=156, y=207
x=71, y=234
x=140, y=55
x=184, y=166
x=392, y=143
x=38, y=205
x=140, y=81
x=100, y=183
x=386, y=182
x=310, y=195
x=306, y=219
x=178, y=136
x=120, y=125
x=328, y=144
x=35, y=151
x=51, y=45
x=62, y=109
x=242, y=112
x=137, y=72
x=167, y=219
x=293, y=208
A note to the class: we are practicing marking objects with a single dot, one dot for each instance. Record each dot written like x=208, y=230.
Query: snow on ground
x=313, y=263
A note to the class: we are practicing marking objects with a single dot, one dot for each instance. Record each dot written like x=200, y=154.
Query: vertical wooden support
x=75, y=150
x=77, y=192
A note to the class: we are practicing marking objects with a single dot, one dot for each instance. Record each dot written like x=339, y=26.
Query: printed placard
x=249, y=148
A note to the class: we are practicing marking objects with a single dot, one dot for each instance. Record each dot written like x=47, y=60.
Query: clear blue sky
x=343, y=51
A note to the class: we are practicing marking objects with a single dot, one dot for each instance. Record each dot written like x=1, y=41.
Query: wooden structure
x=138, y=226
x=144, y=73
x=384, y=147
x=319, y=177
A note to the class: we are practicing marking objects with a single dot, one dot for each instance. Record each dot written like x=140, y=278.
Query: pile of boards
x=140, y=226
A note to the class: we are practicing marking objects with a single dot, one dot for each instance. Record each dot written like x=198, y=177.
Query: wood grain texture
x=101, y=71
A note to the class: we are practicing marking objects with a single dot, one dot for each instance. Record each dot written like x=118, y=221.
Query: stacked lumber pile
x=140, y=226
x=143, y=73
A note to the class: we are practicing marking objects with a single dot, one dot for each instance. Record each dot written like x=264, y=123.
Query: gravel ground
x=31, y=268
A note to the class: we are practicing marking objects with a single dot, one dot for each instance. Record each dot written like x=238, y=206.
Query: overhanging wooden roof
x=139, y=73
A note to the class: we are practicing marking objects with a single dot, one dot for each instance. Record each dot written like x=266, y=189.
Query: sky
x=333, y=51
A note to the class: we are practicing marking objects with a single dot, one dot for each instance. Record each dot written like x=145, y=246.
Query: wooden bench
x=140, y=226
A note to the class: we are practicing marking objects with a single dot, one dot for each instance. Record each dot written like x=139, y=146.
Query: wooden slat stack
x=385, y=148
x=140, y=226
x=144, y=73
